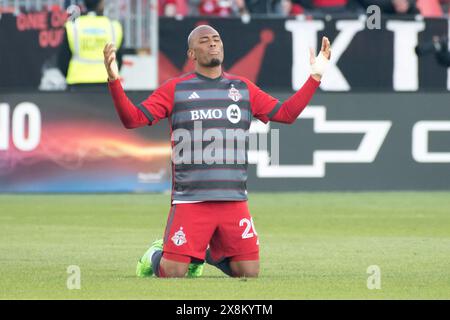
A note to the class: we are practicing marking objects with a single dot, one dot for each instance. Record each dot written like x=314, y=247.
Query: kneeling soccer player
x=209, y=217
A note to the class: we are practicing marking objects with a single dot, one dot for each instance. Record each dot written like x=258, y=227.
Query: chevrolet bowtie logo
x=374, y=132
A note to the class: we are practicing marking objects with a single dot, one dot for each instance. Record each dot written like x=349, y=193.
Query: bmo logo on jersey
x=234, y=113
x=206, y=114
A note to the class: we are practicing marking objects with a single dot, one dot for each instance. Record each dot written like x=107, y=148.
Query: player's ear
x=190, y=54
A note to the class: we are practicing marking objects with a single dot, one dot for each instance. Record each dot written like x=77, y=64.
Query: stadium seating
x=430, y=8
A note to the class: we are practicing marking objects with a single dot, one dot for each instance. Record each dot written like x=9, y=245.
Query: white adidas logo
x=194, y=95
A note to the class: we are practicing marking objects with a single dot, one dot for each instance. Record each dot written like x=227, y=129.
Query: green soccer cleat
x=195, y=270
x=144, y=265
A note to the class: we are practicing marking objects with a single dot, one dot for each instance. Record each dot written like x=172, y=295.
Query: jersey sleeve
x=159, y=104
x=262, y=104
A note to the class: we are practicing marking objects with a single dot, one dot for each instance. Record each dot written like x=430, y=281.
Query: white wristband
x=319, y=65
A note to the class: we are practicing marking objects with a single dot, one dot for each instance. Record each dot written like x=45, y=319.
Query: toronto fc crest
x=234, y=94
x=179, y=238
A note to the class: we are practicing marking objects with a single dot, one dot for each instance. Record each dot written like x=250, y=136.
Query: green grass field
x=313, y=246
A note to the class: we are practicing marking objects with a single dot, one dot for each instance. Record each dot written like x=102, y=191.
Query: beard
x=214, y=62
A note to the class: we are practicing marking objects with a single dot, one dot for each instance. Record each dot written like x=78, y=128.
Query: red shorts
x=226, y=226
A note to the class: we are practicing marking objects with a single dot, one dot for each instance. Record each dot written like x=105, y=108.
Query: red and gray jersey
x=199, y=110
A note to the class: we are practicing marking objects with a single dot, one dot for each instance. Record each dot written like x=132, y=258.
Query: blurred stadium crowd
x=284, y=8
x=233, y=8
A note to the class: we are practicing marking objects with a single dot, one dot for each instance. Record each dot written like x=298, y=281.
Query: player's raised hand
x=109, y=53
x=326, y=48
x=319, y=63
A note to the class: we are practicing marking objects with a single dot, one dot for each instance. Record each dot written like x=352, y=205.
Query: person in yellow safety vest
x=81, y=54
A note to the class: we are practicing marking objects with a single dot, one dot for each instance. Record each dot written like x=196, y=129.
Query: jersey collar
x=200, y=76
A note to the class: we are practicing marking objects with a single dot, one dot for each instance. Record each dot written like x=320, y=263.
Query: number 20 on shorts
x=249, y=226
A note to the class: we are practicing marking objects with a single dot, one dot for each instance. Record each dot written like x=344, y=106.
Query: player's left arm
x=267, y=108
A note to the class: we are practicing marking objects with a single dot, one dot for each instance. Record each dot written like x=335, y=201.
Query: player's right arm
x=156, y=107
